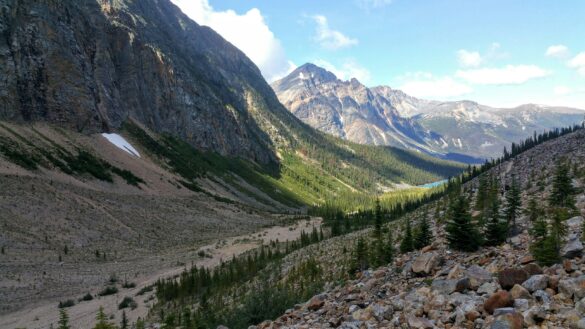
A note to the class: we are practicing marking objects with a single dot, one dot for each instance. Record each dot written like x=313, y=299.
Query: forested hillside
x=474, y=232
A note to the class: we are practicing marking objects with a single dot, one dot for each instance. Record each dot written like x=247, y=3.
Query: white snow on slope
x=121, y=143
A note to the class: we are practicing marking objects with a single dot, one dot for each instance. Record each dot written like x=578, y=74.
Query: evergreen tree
x=495, y=232
x=423, y=234
x=378, y=220
x=407, y=243
x=461, y=233
x=140, y=324
x=124, y=321
x=563, y=192
x=482, y=193
x=63, y=320
x=102, y=322
x=513, y=204
x=533, y=211
x=389, y=248
x=360, y=261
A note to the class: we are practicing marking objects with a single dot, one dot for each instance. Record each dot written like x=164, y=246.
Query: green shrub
x=110, y=290
x=127, y=302
x=67, y=303
x=86, y=297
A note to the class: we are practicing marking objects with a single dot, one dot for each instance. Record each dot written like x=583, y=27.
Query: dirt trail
x=82, y=315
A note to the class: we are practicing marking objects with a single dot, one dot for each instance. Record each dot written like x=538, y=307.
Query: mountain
x=130, y=137
x=348, y=109
x=479, y=130
x=91, y=66
x=462, y=130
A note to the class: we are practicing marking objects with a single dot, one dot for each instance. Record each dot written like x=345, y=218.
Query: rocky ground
x=495, y=287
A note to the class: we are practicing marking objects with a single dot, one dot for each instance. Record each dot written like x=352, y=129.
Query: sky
x=500, y=52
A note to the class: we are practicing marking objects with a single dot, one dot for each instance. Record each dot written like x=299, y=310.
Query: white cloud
x=557, y=51
x=348, y=69
x=329, y=38
x=468, y=58
x=249, y=32
x=578, y=62
x=507, y=75
x=423, y=84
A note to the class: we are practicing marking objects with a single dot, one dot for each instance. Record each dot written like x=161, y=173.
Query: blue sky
x=500, y=53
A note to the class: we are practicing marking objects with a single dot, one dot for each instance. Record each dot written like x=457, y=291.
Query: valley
x=153, y=177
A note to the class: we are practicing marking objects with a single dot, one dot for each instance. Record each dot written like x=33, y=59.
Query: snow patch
x=121, y=143
x=486, y=144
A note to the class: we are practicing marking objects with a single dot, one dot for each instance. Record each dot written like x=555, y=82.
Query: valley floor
x=147, y=270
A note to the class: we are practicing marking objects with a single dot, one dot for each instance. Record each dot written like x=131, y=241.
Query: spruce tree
x=124, y=321
x=102, y=322
x=563, y=192
x=513, y=204
x=423, y=234
x=378, y=220
x=389, y=248
x=407, y=243
x=360, y=259
x=461, y=233
x=533, y=211
x=482, y=193
x=63, y=320
x=496, y=229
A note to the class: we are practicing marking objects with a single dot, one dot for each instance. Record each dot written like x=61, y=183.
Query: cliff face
x=89, y=65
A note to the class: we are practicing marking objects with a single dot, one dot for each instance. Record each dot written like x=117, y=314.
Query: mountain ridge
x=464, y=128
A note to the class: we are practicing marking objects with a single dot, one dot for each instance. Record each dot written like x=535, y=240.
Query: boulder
x=542, y=296
x=519, y=291
x=510, y=276
x=499, y=299
x=521, y=305
x=487, y=288
x=581, y=324
x=316, y=303
x=477, y=276
x=574, y=224
x=446, y=287
x=425, y=263
x=573, y=287
x=536, y=282
x=532, y=269
x=534, y=316
x=508, y=321
x=526, y=259
x=573, y=248
x=420, y=323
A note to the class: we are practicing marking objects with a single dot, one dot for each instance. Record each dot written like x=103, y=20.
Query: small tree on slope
x=461, y=233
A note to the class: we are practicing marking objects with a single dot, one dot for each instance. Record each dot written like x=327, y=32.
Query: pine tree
x=563, y=192
x=407, y=243
x=360, y=261
x=482, y=193
x=124, y=321
x=389, y=248
x=63, y=320
x=140, y=324
x=423, y=234
x=496, y=229
x=461, y=233
x=533, y=211
x=102, y=322
x=378, y=220
x=513, y=204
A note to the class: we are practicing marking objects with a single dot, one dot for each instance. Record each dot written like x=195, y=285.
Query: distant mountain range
x=459, y=130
